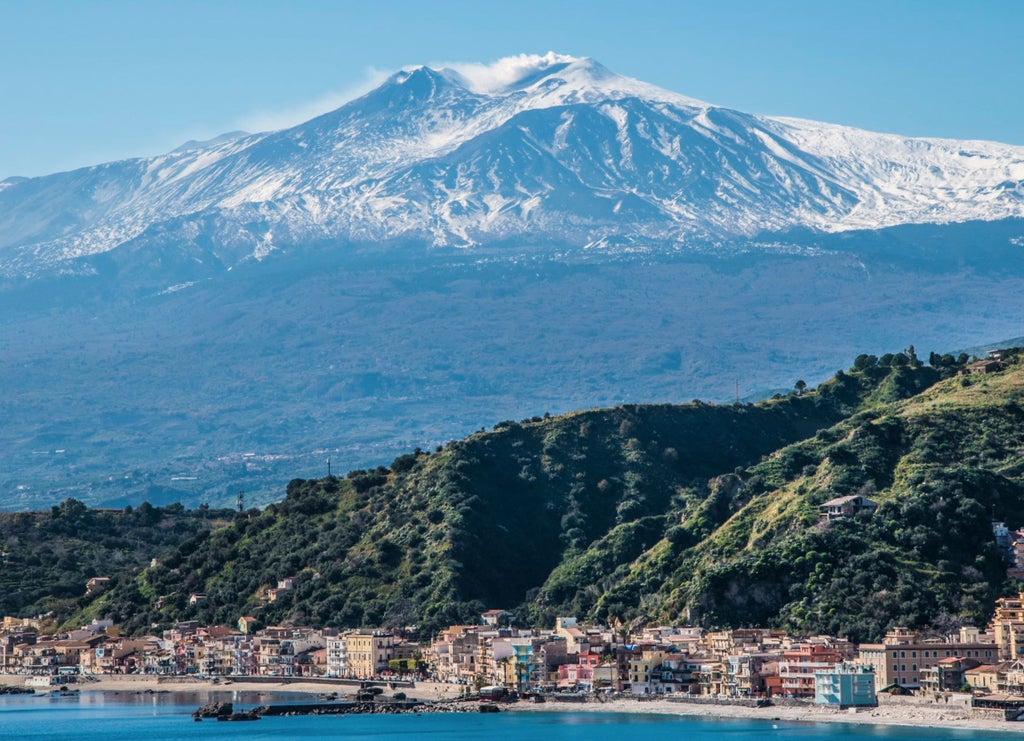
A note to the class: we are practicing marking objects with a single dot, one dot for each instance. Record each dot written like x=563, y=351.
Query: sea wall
x=945, y=699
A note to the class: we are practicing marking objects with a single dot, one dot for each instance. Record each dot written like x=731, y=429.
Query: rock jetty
x=225, y=710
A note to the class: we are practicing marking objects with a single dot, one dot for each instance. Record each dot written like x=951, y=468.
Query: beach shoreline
x=919, y=714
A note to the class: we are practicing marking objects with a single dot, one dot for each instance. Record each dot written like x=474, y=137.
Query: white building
x=337, y=656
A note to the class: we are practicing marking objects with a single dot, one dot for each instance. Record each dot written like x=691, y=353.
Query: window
x=903, y=667
x=913, y=667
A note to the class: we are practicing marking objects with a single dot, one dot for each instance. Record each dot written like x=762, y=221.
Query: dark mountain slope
x=750, y=549
x=481, y=522
x=693, y=512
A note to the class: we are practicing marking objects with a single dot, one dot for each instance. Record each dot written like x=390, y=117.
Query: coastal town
x=496, y=658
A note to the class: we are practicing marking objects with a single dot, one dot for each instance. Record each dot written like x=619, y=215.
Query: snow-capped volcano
x=532, y=149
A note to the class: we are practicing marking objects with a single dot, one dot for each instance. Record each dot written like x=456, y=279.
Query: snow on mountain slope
x=542, y=149
x=899, y=180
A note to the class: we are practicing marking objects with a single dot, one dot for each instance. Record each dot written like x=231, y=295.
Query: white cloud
x=275, y=120
x=498, y=75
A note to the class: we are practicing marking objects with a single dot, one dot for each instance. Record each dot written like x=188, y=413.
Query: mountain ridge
x=560, y=151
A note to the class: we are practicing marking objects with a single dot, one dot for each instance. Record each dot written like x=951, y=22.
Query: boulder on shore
x=214, y=710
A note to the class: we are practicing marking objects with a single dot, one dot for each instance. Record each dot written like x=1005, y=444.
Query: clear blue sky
x=82, y=82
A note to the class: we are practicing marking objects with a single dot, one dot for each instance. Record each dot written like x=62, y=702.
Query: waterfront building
x=904, y=656
x=746, y=673
x=712, y=678
x=523, y=663
x=1015, y=678
x=579, y=674
x=337, y=656
x=606, y=677
x=1007, y=627
x=797, y=668
x=645, y=672
x=454, y=653
x=987, y=678
x=552, y=653
x=18, y=636
x=369, y=651
x=845, y=686
x=947, y=675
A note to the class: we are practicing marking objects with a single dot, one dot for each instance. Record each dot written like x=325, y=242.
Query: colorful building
x=845, y=686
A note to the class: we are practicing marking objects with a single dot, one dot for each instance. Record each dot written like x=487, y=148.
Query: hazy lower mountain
x=463, y=246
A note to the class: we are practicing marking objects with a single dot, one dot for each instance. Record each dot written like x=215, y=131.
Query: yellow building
x=1007, y=627
x=369, y=652
x=986, y=678
x=645, y=671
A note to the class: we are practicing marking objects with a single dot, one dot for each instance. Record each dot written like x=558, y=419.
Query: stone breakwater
x=219, y=710
x=6, y=689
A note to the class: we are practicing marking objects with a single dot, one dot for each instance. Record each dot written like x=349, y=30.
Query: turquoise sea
x=166, y=717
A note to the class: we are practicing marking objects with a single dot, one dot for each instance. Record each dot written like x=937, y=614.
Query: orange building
x=797, y=667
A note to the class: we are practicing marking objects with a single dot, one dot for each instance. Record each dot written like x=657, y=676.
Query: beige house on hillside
x=843, y=507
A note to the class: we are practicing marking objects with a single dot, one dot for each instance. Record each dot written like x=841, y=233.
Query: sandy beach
x=916, y=712
x=923, y=715
x=145, y=683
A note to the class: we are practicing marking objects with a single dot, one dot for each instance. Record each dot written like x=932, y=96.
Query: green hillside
x=748, y=547
x=669, y=512
x=46, y=558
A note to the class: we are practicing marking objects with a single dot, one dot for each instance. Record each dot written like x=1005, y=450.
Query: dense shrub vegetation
x=47, y=557
x=686, y=512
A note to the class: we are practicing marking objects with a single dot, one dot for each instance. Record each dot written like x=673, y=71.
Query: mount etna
x=459, y=247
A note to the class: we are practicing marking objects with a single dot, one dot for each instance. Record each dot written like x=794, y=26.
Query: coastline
x=916, y=714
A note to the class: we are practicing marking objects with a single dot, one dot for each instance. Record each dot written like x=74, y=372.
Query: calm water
x=165, y=717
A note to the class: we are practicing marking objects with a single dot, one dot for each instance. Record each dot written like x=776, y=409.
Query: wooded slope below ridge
x=692, y=512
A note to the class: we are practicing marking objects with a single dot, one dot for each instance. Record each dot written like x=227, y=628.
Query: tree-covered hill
x=46, y=558
x=483, y=521
x=666, y=512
